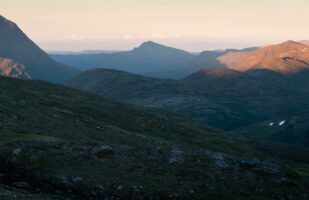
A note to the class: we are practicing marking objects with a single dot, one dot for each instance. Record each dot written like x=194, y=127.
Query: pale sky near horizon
x=193, y=25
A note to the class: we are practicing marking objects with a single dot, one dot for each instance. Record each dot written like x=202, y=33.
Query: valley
x=154, y=122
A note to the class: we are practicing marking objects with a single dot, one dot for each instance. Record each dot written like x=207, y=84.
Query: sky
x=193, y=25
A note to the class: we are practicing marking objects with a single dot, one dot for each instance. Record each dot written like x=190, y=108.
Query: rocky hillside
x=221, y=97
x=59, y=143
x=287, y=58
x=12, y=69
x=22, y=58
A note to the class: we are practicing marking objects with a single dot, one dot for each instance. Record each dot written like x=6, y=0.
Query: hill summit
x=287, y=58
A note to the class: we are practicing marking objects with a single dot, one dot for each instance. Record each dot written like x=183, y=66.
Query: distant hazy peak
x=153, y=48
x=150, y=45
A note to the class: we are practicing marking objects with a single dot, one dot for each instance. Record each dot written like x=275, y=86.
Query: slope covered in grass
x=60, y=141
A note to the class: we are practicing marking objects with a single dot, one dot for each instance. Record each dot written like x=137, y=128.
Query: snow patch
x=282, y=123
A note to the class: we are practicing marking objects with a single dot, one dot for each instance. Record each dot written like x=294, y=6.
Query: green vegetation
x=6, y=138
x=62, y=141
x=303, y=170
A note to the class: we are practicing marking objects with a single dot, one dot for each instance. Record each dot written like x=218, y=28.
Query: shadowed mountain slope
x=221, y=97
x=209, y=59
x=22, y=58
x=293, y=129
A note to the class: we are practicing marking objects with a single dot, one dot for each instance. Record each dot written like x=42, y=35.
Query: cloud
x=74, y=37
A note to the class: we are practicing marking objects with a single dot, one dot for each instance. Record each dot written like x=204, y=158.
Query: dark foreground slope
x=22, y=58
x=58, y=142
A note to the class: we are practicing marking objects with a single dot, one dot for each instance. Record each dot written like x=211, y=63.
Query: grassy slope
x=221, y=97
x=57, y=131
x=293, y=131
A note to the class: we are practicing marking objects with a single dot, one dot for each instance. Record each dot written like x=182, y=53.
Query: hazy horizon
x=193, y=26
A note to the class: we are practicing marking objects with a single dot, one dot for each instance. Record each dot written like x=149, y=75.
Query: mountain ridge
x=17, y=46
x=288, y=58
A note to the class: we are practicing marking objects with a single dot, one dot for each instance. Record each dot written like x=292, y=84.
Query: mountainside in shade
x=293, y=129
x=60, y=143
x=21, y=58
x=297, y=82
x=252, y=98
x=129, y=87
x=287, y=58
x=204, y=60
x=150, y=59
x=223, y=98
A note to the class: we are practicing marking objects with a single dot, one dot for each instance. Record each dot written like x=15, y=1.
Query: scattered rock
x=17, y=151
x=33, y=158
x=77, y=179
x=176, y=157
x=21, y=184
x=64, y=180
x=209, y=184
x=260, y=166
x=270, y=168
x=244, y=163
x=219, y=160
x=102, y=150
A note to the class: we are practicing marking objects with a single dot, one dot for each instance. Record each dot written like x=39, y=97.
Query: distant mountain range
x=149, y=59
x=155, y=60
x=21, y=58
x=81, y=52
